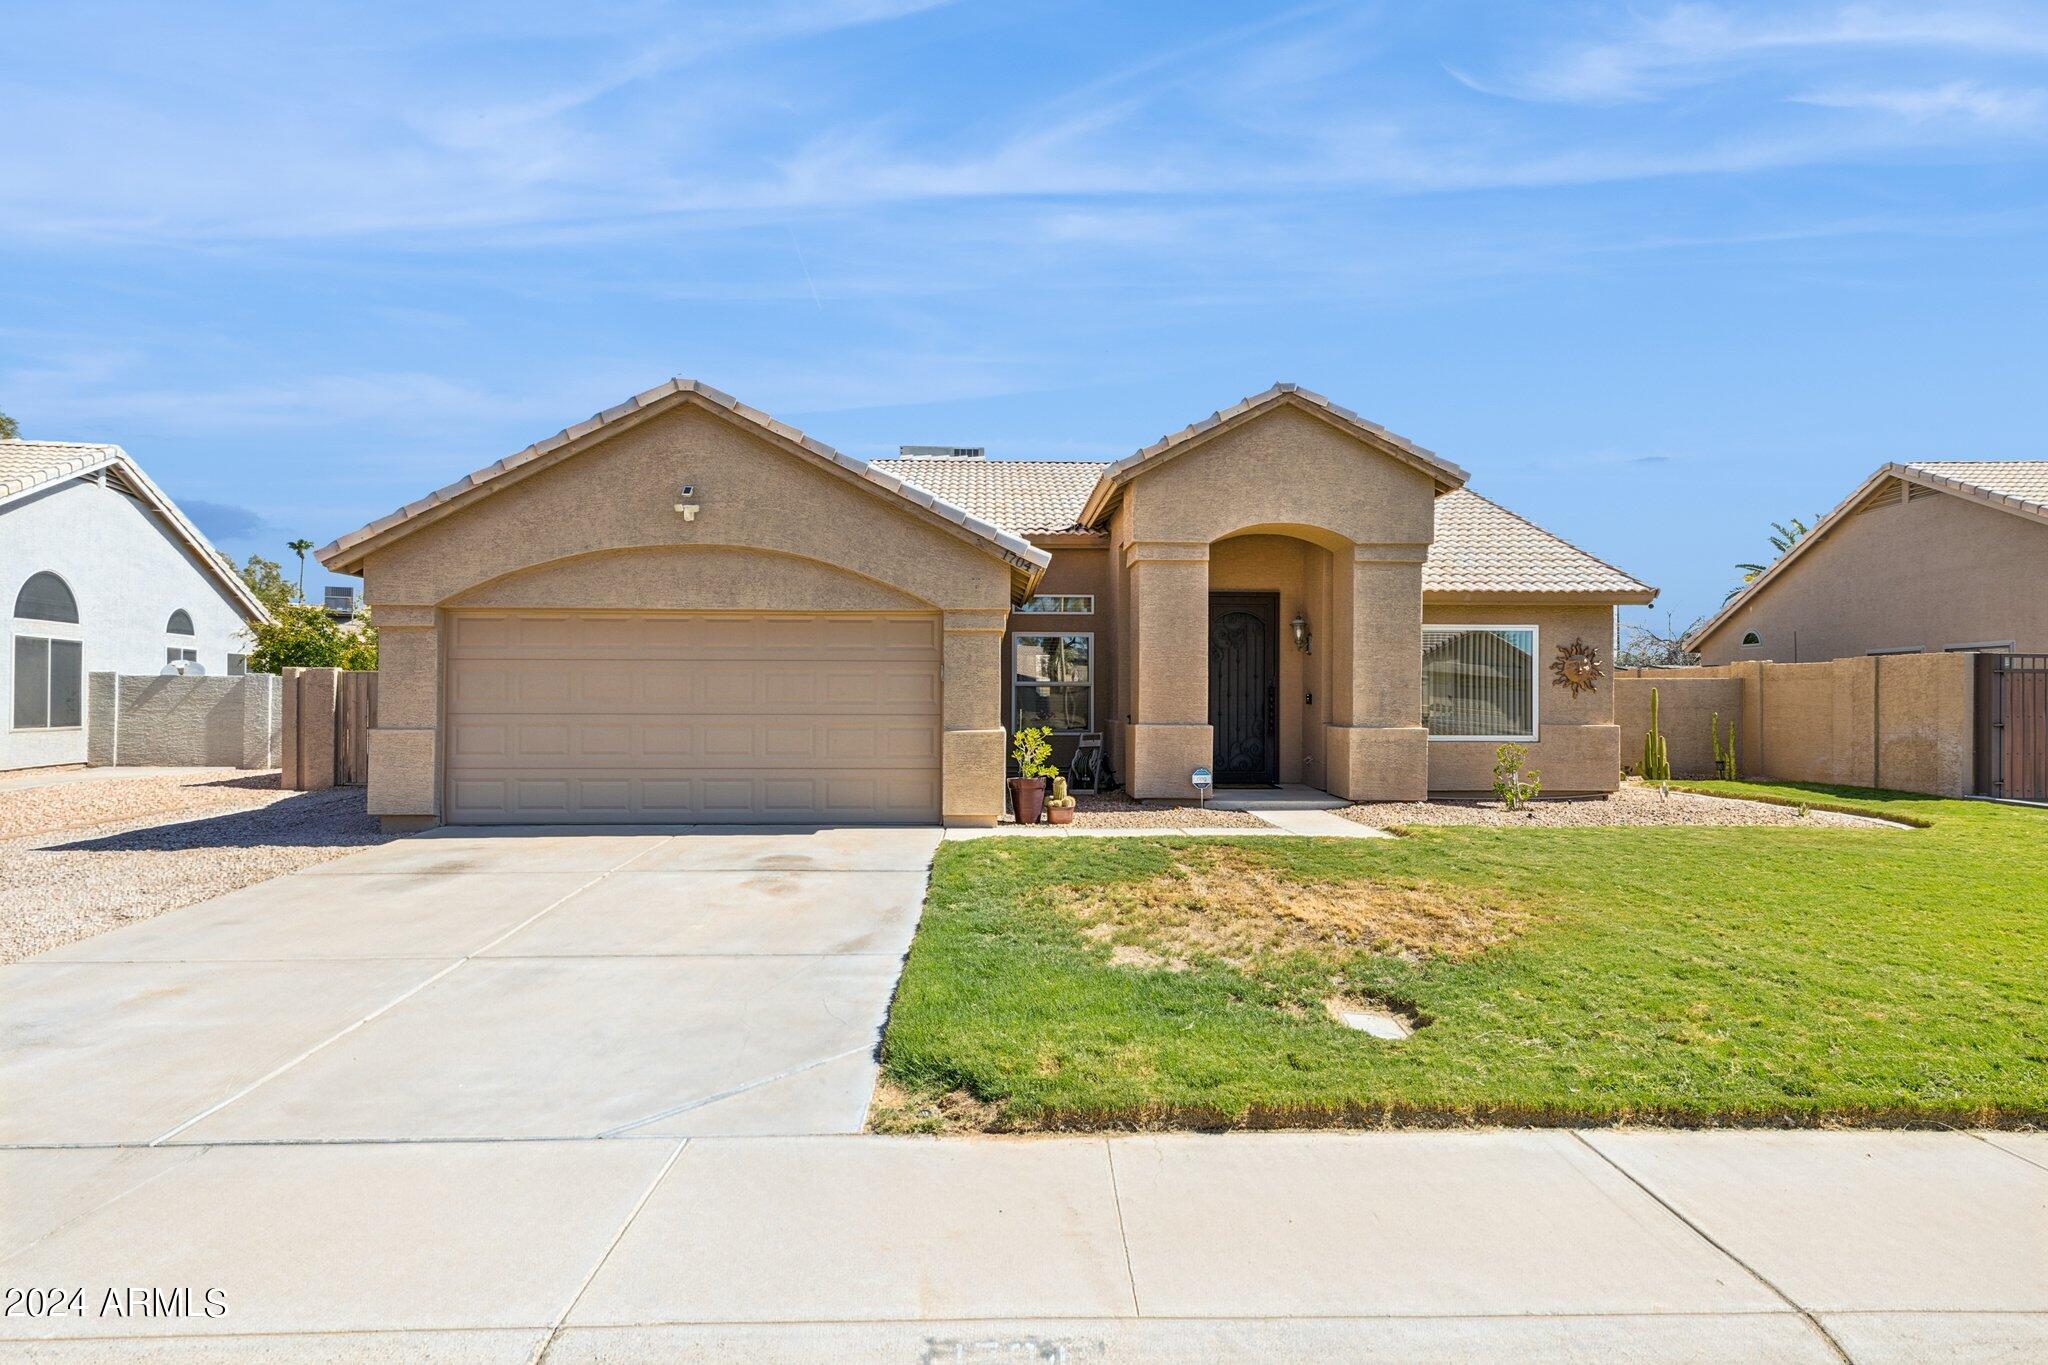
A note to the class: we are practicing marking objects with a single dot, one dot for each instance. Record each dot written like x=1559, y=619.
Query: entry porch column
x=1375, y=745
x=1169, y=734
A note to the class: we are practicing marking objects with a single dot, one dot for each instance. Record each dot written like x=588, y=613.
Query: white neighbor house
x=99, y=572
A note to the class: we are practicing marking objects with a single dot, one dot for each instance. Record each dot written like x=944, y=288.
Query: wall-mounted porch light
x=1300, y=627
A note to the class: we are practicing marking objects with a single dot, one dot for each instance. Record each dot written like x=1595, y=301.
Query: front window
x=47, y=678
x=1479, y=682
x=1057, y=604
x=174, y=655
x=1053, y=683
x=180, y=623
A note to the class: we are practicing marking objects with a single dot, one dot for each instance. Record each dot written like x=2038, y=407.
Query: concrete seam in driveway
x=392, y=1004
x=625, y=1224
x=1995, y=1145
x=1805, y=1314
x=625, y=1129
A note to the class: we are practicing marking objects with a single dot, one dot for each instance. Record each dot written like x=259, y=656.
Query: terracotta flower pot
x=1027, y=798
x=1059, y=815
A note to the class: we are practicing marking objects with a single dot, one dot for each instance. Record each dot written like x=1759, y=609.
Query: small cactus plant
x=1656, y=757
x=1725, y=766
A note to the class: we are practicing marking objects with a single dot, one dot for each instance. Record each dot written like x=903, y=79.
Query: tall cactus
x=1725, y=766
x=1656, y=758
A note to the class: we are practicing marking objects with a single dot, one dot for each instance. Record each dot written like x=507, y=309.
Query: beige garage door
x=590, y=717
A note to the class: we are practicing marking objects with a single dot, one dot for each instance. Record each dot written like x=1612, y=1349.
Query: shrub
x=1515, y=785
x=299, y=636
x=1032, y=748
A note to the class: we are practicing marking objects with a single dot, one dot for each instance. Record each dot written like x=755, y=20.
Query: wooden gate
x=2012, y=726
x=355, y=714
x=328, y=716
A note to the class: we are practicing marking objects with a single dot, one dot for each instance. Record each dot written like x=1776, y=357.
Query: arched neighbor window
x=1751, y=640
x=180, y=623
x=49, y=670
x=46, y=598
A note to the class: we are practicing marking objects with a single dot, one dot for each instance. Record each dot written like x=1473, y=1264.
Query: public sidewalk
x=1525, y=1245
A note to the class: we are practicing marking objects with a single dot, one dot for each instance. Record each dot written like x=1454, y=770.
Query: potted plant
x=1060, y=809
x=1032, y=749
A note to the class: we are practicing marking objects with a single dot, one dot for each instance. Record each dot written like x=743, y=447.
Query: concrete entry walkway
x=483, y=984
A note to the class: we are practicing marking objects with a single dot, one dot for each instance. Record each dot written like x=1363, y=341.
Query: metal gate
x=2012, y=726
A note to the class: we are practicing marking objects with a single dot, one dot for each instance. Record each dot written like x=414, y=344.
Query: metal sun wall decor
x=1576, y=666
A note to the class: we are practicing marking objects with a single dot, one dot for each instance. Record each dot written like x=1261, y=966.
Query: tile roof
x=31, y=464
x=1026, y=558
x=28, y=465
x=2014, y=481
x=1481, y=547
x=2016, y=486
x=1030, y=497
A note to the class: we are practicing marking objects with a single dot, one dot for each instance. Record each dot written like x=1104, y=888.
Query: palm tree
x=299, y=548
x=1783, y=538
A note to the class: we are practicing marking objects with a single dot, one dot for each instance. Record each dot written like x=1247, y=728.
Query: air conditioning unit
x=340, y=602
x=943, y=452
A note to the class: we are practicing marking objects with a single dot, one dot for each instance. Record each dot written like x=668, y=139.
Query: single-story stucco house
x=102, y=573
x=685, y=610
x=1927, y=556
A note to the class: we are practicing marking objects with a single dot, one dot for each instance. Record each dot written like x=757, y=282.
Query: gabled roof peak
x=1446, y=474
x=345, y=553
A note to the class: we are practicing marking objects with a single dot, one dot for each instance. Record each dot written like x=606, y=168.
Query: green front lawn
x=1564, y=975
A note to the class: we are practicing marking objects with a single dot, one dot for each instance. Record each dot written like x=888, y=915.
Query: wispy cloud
x=1661, y=50
x=1972, y=100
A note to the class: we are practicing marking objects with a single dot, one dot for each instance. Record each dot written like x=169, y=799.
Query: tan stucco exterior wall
x=598, y=529
x=1936, y=571
x=1283, y=473
x=1578, y=745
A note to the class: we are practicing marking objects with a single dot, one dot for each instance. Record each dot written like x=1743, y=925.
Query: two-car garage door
x=686, y=717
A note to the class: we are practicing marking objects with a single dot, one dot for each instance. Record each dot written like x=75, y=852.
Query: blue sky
x=1656, y=274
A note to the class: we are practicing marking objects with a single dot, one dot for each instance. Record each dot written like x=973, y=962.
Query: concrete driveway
x=593, y=1096
x=483, y=984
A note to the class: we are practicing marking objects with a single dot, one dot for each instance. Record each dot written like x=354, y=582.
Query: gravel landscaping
x=85, y=857
x=1634, y=804
x=1115, y=810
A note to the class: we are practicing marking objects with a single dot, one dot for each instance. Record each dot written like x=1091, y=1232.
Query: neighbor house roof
x=29, y=466
x=1480, y=547
x=1446, y=474
x=345, y=554
x=2016, y=486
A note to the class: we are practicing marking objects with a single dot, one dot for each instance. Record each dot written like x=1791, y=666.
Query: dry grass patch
x=898, y=1109
x=1219, y=903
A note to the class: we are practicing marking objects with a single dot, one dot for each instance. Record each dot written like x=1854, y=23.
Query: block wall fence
x=1900, y=721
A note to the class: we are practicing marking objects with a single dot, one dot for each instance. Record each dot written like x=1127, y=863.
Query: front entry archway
x=1244, y=686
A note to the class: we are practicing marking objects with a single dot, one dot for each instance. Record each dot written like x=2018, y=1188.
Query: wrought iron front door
x=1244, y=681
